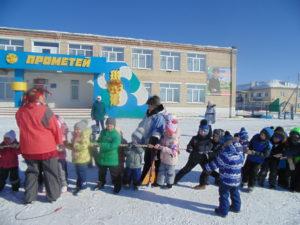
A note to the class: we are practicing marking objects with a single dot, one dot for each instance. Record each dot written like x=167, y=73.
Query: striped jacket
x=230, y=162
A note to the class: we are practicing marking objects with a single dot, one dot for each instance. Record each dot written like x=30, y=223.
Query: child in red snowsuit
x=9, y=164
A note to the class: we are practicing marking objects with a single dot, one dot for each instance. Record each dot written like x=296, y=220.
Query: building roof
x=266, y=84
x=103, y=38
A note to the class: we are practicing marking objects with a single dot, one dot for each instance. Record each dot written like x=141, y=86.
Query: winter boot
x=200, y=187
x=99, y=186
x=219, y=213
x=117, y=189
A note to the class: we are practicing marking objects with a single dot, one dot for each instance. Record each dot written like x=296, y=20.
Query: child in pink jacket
x=169, y=151
x=62, y=155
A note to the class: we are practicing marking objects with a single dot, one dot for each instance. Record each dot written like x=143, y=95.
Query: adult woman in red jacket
x=39, y=137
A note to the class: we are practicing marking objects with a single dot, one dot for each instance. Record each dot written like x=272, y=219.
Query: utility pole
x=297, y=94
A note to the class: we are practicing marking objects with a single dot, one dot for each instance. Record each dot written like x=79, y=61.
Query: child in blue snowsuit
x=230, y=162
x=259, y=149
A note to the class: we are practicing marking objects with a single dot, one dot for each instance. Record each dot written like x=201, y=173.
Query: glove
x=189, y=150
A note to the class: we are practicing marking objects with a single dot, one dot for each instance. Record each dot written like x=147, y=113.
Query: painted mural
x=218, y=81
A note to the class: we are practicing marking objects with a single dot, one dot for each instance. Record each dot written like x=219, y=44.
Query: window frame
x=151, y=85
x=166, y=92
x=138, y=58
x=81, y=44
x=71, y=94
x=196, y=84
x=46, y=41
x=170, y=56
x=7, y=85
x=14, y=39
x=197, y=54
x=112, y=46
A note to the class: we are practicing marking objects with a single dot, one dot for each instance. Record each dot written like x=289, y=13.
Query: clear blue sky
x=266, y=32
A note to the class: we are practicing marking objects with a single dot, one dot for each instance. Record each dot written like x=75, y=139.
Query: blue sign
x=51, y=62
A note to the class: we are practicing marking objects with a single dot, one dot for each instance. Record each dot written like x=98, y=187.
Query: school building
x=183, y=75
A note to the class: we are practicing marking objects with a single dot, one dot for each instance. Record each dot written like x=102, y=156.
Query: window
x=170, y=92
x=45, y=47
x=113, y=54
x=83, y=50
x=170, y=61
x=142, y=58
x=196, y=62
x=196, y=93
x=5, y=91
x=148, y=87
x=13, y=45
x=282, y=94
x=75, y=89
x=298, y=105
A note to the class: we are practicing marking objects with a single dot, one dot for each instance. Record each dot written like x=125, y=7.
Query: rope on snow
x=17, y=216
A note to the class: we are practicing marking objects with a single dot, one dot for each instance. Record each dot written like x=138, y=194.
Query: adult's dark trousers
x=194, y=159
x=115, y=174
x=205, y=175
x=249, y=172
x=51, y=179
x=13, y=174
x=149, y=157
x=100, y=122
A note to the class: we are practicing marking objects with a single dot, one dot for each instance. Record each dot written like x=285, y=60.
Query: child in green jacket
x=108, y=157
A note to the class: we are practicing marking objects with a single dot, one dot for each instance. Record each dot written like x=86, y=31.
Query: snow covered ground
x=180, y=205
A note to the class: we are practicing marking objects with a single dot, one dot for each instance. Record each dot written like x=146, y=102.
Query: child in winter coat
x=271, y=163
x=80, y=146
x=198, y=147
x=62, y=155
x=108, y=157
x=229, y=161
x=292, y=153
x=134, y=156
x=244, y=138
x=169, y=151
x=9, y=165
x=259, y=149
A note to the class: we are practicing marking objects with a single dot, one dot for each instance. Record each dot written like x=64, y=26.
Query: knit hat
x=99, y=97
x=204, y=125
x=227, y=137
x=81, y=125
x=171, y=124
x=295, y=135
x=154, y=101
x=279, y=129
x=111, y=121
x=279, y=135
x=268, y=131
x=243, y=134
x=218, y=132
x=11, y=135
x=295, y=130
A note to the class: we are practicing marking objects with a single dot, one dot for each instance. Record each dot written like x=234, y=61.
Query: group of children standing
x=220, y=155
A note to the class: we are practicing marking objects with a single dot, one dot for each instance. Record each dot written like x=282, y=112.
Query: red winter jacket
x=39, y=132
x=9, y=156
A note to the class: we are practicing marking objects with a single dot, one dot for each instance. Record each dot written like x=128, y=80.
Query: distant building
x=183, y=75
x=260, y=94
